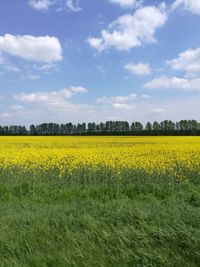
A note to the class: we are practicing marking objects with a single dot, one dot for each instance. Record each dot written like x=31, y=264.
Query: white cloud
x=169, y=107
x=71, y=5
x=2, y=61
x=64, y=110
x=122, y=106
x=41, y=4
x=158, y=110
x=164, y=82
x=191, y=5
x=33, y=77
x=138, y=69
x=124, y=3
x=42, y=49
x=117, y=99
x=16, y=107
x=11, y=67
x=54, y=106
x=119, y=102
x=188, y=61
x=51, y=98
x=146, y=96
x=96, y=43
x=77, y=89
x=7, y=66
x=46, y=67
x=129, y=31
x=5, y=115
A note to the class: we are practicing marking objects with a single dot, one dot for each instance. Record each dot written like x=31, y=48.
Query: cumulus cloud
x=65, y=110
x=188, y=61
x=158, y=110
x=71, y=5
x=119, y=102
x=7, y=66
x=2, y=61
x=52, y=98
x=41, y=4
x=5, y=115
x=117, y=99
x=122, y=106
x=124, y=3
x=42, y=49
x=16, y=107
x=144, y=96
x=191, y=5
x=130, y=31
x=165, y=82
x=138, y=69
x=32, y=77
x=54, y=106
x=46, y=67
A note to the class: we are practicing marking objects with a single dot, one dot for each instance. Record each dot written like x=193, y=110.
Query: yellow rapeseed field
x=160, y=155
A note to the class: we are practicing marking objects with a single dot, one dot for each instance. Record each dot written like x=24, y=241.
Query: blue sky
x=98, y=60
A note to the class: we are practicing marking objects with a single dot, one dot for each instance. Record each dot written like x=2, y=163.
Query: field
x=99, y=201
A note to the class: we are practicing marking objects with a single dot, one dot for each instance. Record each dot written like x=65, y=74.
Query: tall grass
x=93, y=218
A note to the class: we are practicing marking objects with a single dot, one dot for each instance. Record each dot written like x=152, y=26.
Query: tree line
x=166, y=127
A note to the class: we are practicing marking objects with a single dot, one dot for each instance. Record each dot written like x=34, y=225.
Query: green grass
x=94, y=219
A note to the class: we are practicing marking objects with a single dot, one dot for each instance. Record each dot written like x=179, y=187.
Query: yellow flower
x=173, y=156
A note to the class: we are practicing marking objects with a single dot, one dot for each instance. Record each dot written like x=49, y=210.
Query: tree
x=183, y=127
x=138, y=126
x=156, y=126
x=91, y=127
x=148, y=126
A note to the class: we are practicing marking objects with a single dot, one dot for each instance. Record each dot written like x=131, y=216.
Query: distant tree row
x=166, y=127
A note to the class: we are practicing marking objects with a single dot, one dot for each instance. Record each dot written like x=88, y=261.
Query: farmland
x=99, y=201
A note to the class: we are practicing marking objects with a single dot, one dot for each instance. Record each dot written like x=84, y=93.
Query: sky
x=97, y=60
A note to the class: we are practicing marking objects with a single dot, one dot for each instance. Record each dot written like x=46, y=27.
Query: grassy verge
x=94, y=218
